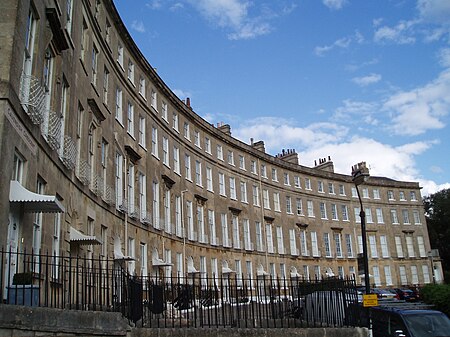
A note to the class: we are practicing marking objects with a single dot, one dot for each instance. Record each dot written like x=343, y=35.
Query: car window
x=396, y=323
x=431, y=325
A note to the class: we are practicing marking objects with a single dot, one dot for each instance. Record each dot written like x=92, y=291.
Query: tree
x=437, y=213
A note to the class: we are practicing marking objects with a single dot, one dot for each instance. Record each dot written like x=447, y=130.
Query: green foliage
x=437, y=212
x=438, y=295
x=22, y=278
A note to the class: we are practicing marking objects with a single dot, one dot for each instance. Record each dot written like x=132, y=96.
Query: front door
x=12, y=247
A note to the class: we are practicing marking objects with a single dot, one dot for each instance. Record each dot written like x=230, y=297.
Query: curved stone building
x=99, y=157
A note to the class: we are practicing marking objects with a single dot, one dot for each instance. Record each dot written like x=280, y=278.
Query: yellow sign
x=370, y=300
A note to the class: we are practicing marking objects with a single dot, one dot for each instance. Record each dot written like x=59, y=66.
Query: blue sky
x=356, y=80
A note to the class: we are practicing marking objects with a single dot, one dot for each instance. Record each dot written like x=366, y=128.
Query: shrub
x=22, y=278
x=438, y=295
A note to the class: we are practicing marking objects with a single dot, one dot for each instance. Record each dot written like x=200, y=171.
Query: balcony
x=259, y=246
x=249, y=245
x=54, y=130
x=122, y=205
x=146, y=217
x=203, y=238
x=110, y=195
x=98, y=185
x=69, y=153
x=134, y=212
x=179, y=231
x=156, y=222
x=32, y=98
x=214, y=241
x=316, y=253
x=226, y=242
x=192, y=236
x=84, y=172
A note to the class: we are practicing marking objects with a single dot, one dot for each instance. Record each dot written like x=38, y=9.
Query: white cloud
x=377, y=22
x=223, y=12
x=416, y=111
x=154, y=4
x=430, y=187
x=402, y=33
x=138, y=26
x=334, y=4
x=355, y=67
x=367, y=80
x=436, y=169
x=342, y=43
x=181, y=94
x=435, y=11
x=321, y=140
x=383, y=159
x=176, y=6
x=234, y=15
x=353, y=112
x=444, y=57
x=278, y=133
x=250, y=30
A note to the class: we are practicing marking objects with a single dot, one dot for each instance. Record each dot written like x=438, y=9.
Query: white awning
x=260, y=271
x=82, y=239
x=192, y=270
x=118, y=255
x=294, y=273
x=33, y=202
x=190, y=266
x=156, y=262
x=227, y=270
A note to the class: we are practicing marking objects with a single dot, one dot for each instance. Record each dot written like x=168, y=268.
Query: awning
x=33, y=202
x=191, y=270
x=118, y=255
x=156, y=262
x=82, y=239
x=294, y=273
x=260, y=271
x=190, y=266
x=227, y=270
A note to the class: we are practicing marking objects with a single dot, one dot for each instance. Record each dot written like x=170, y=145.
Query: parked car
x=385, y=294
x=406, y=294
x=398, y=322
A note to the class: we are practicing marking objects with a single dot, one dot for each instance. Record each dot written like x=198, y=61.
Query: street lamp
x=360, y=173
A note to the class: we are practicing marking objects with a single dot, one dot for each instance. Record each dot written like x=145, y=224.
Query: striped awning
x=33, y=202
x=82, y=239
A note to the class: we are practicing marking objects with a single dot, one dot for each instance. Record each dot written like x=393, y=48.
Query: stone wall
x=18, y=320
x=234, y=332
x=32, y=322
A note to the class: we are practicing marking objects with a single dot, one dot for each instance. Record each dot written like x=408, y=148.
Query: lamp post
x=360, y=173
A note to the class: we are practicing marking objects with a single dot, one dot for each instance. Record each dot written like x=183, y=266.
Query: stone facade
x=132, y=171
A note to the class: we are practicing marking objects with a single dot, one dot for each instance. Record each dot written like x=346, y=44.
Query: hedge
x=438, y=295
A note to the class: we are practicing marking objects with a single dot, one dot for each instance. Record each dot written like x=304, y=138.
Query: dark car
x=385, y=294
x=396, y=322
x=406, y=295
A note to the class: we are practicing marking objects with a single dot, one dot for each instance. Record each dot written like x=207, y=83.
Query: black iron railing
x=196, y=300
x=236, y=301
x=66, y=282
